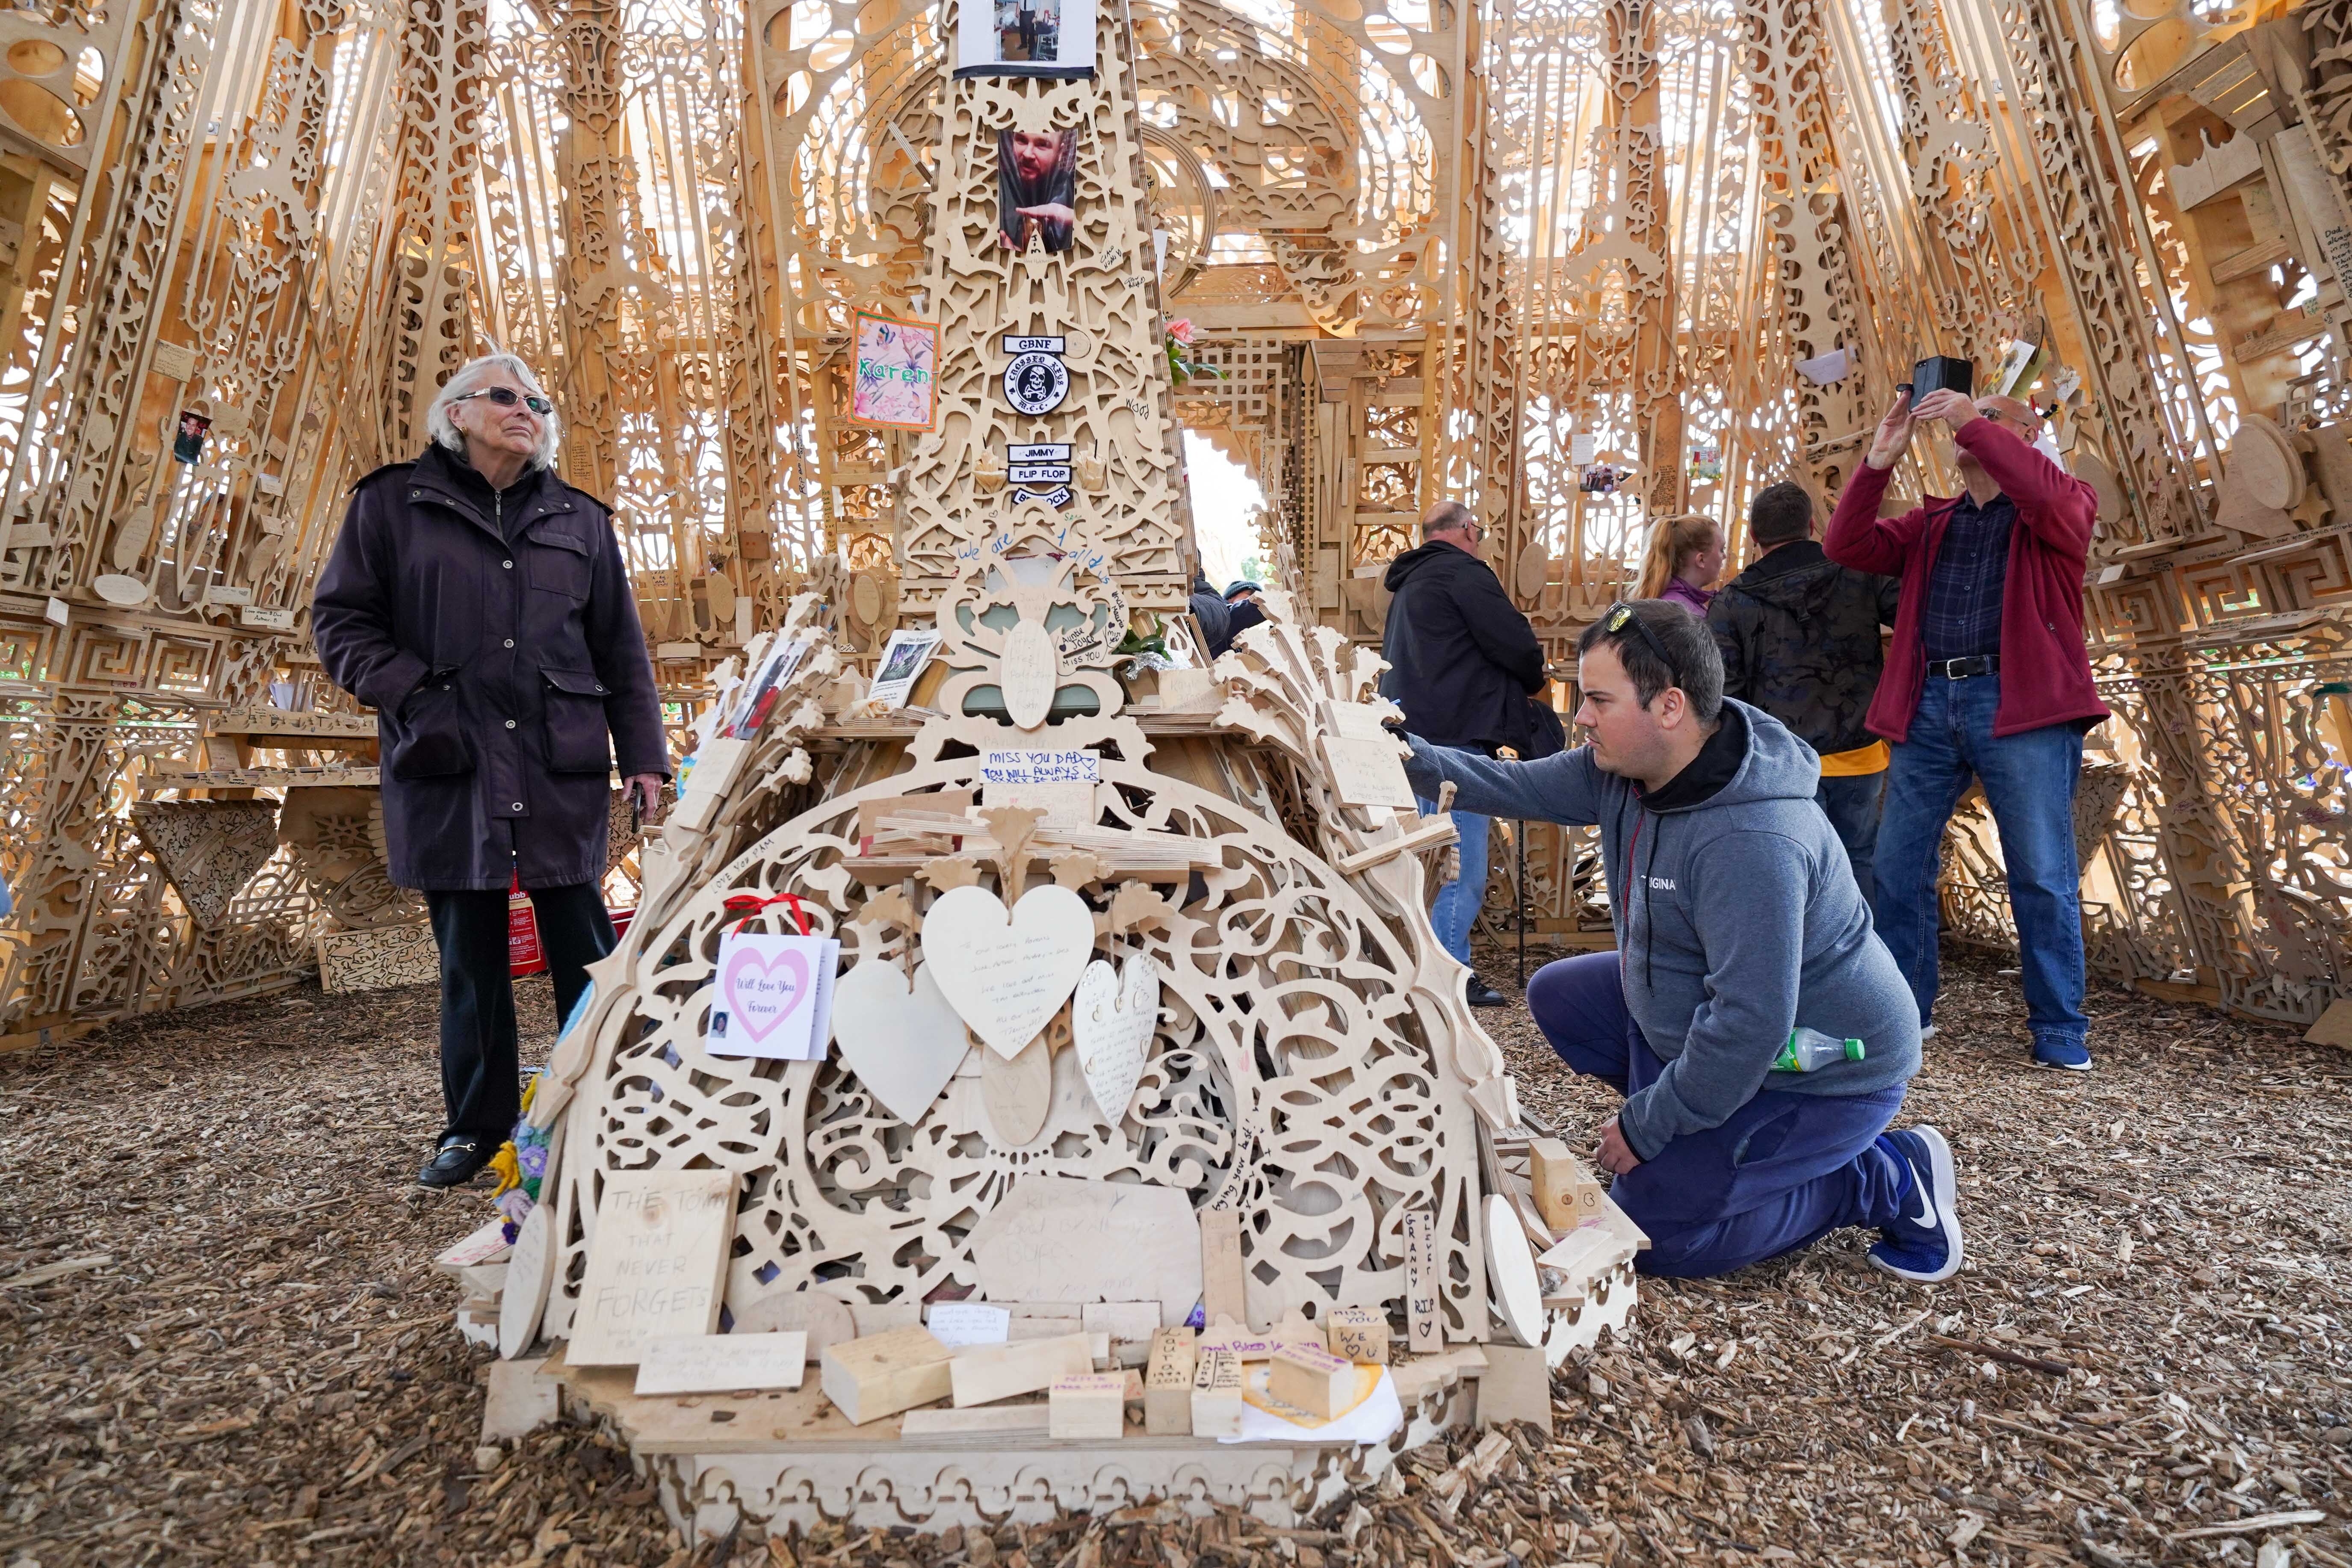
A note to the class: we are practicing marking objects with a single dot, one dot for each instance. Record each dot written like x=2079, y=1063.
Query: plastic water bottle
x=1810, y=1048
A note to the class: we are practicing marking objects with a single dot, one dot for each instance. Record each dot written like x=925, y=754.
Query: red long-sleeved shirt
x=2046, y=673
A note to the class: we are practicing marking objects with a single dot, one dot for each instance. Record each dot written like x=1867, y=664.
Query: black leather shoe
x=1484, y=995
x=456, y=1163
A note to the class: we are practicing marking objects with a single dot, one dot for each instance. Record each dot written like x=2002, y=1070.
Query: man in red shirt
x=1987, y=679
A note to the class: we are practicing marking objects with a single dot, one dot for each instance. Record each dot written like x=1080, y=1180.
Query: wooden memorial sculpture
x=1114, y=968
x=1295, y=1049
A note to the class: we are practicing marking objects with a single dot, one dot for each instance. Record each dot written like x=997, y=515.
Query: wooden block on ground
x=1221, y=1294
x=1314, y=1381
x=2334, y=1028
x=1217, y=1395
x=1044, y=1326
x=1296, y=1332
x=1582, y=1256
x=1087, y=1407
x=868, y=1379
x=1236, y=1339
x=1122, y=1319
x=1168, y=1384
x=722, y=1363
x=881, y=1318
x=986, y=1373
x=518, y=1401
x=1516, y=1387
x=1360, y=1333
x=988, y=1420
x=1566, y=1193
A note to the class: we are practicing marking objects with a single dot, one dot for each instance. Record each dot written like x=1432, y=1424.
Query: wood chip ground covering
x=221, y=1340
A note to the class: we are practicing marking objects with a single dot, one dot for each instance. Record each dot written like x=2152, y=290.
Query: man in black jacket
x=1799, y=640
x=1463, y=662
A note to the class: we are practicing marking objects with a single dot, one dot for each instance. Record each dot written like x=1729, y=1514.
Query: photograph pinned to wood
x=1025, y=38
x=773, y=996
x=1037, y=188
x=897, y=384
x=756, y=698
x=903, y=658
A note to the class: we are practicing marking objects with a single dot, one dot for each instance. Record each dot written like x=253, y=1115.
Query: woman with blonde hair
x=1684, y=558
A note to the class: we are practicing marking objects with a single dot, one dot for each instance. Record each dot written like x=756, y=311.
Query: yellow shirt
x=1870, y=759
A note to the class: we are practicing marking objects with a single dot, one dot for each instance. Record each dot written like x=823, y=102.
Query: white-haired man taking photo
x=478, y=603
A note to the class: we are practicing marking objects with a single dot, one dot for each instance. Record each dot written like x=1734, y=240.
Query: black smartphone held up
x=1939, y=374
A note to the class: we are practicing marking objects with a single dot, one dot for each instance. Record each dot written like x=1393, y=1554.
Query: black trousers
x=480, y=1079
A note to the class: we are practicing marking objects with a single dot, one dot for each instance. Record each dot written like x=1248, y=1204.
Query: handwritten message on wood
x=1421, y=1280
x=655, y=1265
x=722, y=1364
x=1005, y=974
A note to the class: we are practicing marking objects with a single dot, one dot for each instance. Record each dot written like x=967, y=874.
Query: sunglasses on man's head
x=506, y=397
x=1621, y=615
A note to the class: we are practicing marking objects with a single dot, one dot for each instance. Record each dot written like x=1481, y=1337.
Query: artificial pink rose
x=1181, y=331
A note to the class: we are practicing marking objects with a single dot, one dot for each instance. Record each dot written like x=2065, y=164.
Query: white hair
x=470, y=375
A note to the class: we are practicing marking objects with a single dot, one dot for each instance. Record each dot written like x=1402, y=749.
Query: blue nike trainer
x=1924, y=1244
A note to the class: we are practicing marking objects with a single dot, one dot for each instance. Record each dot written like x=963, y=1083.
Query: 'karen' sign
x=655, y=1263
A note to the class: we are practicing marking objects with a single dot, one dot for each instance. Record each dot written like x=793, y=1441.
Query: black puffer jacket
x=1799, y=640
x=1464, y=660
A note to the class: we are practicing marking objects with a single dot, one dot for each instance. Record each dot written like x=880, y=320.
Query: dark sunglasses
x=506, y=397
x=1620, y=615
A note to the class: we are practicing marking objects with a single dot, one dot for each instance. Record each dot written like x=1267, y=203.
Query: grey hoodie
x=1745, y=922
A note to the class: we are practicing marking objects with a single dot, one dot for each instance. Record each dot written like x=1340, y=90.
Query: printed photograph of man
x=1029, y=32
x=1025, y=38
x=1036, y=187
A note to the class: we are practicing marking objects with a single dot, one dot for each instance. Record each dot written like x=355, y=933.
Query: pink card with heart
x=773, y=996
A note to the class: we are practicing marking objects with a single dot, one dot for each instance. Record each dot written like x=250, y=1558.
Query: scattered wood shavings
x=262, y=1373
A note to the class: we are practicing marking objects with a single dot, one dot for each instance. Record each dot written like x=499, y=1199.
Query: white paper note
x=1026, y=765
x=956, y=1324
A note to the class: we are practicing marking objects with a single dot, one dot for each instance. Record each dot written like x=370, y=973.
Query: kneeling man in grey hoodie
x=1737, y=922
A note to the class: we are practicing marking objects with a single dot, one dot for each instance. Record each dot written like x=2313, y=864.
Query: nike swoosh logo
x=1926, y=1215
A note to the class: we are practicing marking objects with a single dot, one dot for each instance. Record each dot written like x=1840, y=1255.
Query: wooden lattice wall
x=1440, y=250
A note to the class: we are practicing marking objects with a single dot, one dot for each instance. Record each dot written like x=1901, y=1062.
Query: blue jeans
x=2029, y=782
x=1851, y=805
x=1783, y=1171
x=1457, y=902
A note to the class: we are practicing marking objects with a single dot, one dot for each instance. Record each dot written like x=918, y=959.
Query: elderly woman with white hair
x=479, y=606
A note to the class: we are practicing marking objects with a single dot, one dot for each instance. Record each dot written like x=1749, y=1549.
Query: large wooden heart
x=1111, y=1021
x=903, y=1043
x=1006, y=975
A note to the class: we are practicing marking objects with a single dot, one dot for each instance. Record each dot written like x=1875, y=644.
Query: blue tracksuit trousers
x=1786, y=1170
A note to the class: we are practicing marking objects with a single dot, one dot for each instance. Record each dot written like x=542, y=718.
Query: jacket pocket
x=430, y=731
x=557, y=562
x=577, y=741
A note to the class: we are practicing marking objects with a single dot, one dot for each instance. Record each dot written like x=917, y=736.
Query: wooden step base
x=774, y=1459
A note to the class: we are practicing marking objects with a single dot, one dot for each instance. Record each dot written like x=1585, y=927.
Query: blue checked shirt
x=1962, y=616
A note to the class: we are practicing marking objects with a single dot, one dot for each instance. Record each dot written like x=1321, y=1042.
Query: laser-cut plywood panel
x=1444, y=251
x=1313, y=1066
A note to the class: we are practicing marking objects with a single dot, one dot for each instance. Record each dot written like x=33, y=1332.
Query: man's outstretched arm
x=1563, y=788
